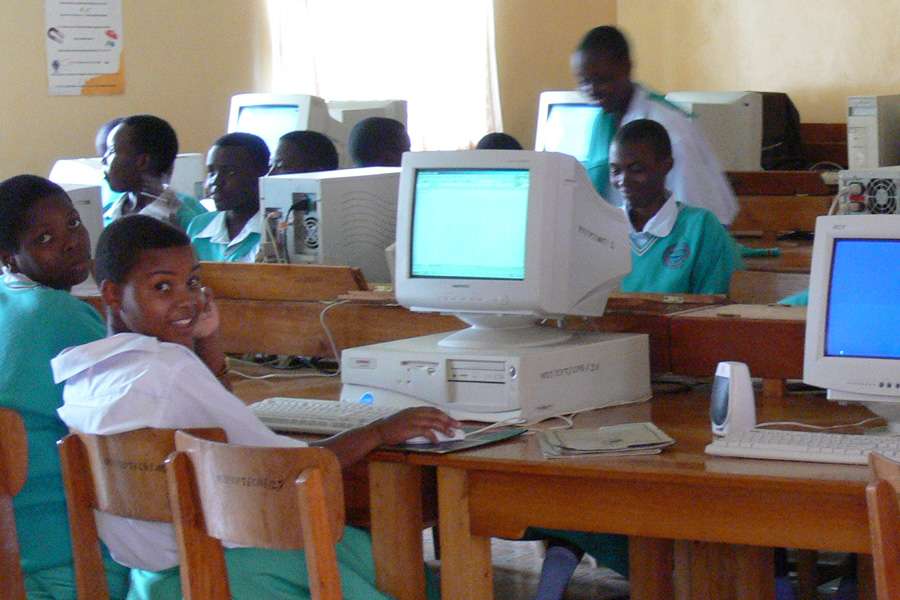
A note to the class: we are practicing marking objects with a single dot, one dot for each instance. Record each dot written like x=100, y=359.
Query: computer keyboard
x=805, y=446
x=316, y=416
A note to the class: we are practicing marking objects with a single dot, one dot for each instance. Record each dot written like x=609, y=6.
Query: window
x=437, y=55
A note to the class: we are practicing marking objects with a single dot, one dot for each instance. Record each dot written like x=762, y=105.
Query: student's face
x=605, y=80
x=122, y=160
x=54, y=249
x=636, y=171
x=161, y=296
x=231, y=179
x=289, y=159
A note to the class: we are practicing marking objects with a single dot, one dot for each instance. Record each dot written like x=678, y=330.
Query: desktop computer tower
x=873, y=131
x=344, y=217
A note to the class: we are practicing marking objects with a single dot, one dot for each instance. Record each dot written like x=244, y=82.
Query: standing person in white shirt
x=162, y=366
x=602, y=65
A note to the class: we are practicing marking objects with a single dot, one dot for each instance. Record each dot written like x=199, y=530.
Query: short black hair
x=121, y=243
x=317, y=149
x=646, y=131
x=607, y=40
x=100, y=139
x=371, y=137
x=498, y=141
x=155, y=137
x=254, y=145
x=17, y=195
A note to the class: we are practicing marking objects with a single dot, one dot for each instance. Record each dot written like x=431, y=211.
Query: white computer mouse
x=458, y=434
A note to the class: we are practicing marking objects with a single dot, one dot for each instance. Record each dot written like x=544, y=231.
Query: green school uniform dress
x=37, y=323
x=682, y=249
x=209, y=236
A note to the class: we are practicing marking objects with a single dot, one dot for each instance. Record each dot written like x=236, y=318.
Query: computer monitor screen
x=851, y=347
x=863, y=311
x=565, y=123
x=498, y=237
x=268, y=121
x=447, y=200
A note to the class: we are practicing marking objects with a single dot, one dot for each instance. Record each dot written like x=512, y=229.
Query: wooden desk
x=681, y=494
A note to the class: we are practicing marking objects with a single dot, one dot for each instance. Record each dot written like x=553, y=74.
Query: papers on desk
x=615, y=440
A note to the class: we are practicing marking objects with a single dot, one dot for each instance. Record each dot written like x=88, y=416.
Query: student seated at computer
x=232, y=233
x=378, y=142
x=304, y=152
x=107, y=196
x=602, y=65
x=44, y=251
x=674, y=248
x=498, y=141
x=161, y=366
x=139, y=159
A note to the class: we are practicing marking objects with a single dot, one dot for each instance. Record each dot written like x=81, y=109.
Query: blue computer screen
x=568, y=129
x=470, y=223
x=269, y=121
x=863, y=318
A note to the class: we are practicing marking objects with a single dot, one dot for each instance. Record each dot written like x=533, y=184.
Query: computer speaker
x=732, y=407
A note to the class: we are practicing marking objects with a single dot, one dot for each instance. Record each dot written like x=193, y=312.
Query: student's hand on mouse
x=208, y=317
x=414, y=422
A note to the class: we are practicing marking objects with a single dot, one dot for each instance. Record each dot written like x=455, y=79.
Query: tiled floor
x=517, y=566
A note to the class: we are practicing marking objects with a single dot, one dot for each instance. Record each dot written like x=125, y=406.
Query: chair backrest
x=280, y=498
x=13, y=472
x=765, y=287
x=121, y=474
x=884, y=525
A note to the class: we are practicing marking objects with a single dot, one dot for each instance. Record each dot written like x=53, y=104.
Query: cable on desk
x=816, y=427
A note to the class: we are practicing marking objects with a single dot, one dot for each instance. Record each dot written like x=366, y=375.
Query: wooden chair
x=13, y=473
x=765, y=287
x=884, y=525
x=279, y=498
x=121, y=474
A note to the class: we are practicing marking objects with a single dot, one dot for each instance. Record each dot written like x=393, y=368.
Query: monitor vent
x=881, y=197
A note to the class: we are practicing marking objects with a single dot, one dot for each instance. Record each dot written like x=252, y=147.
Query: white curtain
x=438, y=55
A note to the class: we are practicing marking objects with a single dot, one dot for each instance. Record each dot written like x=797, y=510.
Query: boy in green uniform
x=139, y=160
x=44, y=250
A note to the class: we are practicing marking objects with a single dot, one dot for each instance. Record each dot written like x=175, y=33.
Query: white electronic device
x=873, y=131
x=852, y=344
x=732, y=407
x=504, y=239
x=589, y=370
x=87, y=199
x=345, y=217
x=565, y=123
x=869, y=191
x=732, y=123
x=351, y=112
x=272, y=115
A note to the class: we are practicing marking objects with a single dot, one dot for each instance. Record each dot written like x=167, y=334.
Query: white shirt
x=658, y=226
x=164, y=207
x=696, y=178
x=130, y=381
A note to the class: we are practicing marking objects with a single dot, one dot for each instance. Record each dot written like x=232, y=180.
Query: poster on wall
x=84, y=47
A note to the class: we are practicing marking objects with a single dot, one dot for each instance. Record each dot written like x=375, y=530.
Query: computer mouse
x=458, y=434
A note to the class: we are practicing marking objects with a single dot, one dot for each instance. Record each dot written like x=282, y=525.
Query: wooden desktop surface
x=735, y=508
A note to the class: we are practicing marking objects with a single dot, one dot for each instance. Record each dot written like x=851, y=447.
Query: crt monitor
x=503, y=239
x=351, y=112
x=852, y=347
x=565, y=122
x=272, y=115
x=732, y=123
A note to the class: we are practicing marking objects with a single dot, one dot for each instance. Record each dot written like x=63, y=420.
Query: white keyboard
x=317, y=416
x=805, y=446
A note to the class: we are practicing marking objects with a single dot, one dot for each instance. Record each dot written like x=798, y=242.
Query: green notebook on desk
x=475, y=441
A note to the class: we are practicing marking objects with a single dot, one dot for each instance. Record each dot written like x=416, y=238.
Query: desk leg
x=865, y=577
x=755, y=576
x=650, y=566
x=466, y=570
x=729, y=572
x=396, y=506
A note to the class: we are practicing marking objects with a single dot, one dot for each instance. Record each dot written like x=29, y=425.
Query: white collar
x=637, y=106
x=217, y=230
x=662, y=223
x=76, y=359
x=163, y=207
x=17, y=281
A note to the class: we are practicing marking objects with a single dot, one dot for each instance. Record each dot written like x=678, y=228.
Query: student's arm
x=352, y=446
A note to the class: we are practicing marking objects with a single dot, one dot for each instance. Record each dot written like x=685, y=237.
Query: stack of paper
x=615, y=440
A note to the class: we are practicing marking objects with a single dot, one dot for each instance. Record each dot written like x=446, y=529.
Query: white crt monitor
x=565, y=123
x=732, y=123
x=351, y=112
x=503, y=239
x=272, y=115
x=852, y=342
